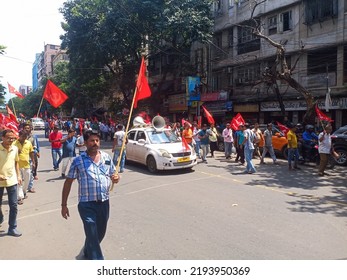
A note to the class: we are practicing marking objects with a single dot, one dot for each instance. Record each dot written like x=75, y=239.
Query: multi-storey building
x=45, y=61
x=24, y=90
x=35, y=71
x=236, y=59
x=60, y=56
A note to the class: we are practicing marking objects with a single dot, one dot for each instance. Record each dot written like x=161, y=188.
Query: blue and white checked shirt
x=93, y=178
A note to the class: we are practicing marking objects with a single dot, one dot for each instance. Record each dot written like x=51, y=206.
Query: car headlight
x=164, y=153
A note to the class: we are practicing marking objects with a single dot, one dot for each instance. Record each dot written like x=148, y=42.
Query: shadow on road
x=324, y=195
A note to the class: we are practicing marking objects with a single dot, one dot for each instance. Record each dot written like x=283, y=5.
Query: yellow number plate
x=183, y=159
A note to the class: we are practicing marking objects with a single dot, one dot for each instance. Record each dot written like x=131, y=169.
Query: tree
x=105, y=40
x=281, y=71
x=2, y=88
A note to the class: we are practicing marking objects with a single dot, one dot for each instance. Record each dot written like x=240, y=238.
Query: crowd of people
x=246, y=139
x=96, y=171
x=93, y=169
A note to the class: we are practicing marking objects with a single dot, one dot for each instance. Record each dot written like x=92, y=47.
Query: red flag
x=283, y=128
x=185, y=144
x=237, y=121
x=7, y=123
x=11, y=115
x=208, y=115
x=12, y=90
x=142, y=88
x=54, y=95
x=321, y=116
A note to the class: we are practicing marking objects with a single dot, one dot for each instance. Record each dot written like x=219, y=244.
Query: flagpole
x=14, y=110
x=125, y=136
x=38, y=112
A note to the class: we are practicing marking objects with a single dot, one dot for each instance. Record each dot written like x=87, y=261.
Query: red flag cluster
x=7, y=123
x=142, y=88
x=237, y=121
x=54, y=95
x=321, y=116
x=12, y=90
x=11, y=115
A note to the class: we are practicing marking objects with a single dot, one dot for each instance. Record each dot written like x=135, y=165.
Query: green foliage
x=106, y=38
x=2, y=49
x=2, y=95
x=2, y=88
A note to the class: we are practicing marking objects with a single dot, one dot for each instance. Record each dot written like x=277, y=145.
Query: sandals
x=20, y=202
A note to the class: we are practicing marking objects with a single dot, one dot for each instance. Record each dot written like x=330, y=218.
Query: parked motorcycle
x=308, y=155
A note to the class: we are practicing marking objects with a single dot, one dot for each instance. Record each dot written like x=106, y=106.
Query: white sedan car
x=158, y=149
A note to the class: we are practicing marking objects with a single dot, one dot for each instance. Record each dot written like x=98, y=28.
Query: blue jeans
x=115, y=159
x=197, y=148
x=94, y=216
x=55, y=154
x=205, y=150
x=12, y=203
x=228, y=148
x=293, y=153
x=248, y=156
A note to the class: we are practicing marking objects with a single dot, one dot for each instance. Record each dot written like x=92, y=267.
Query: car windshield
x=160, y=137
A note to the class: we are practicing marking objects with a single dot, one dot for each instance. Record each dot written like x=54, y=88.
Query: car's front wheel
x=342, y=160
x=151, y=164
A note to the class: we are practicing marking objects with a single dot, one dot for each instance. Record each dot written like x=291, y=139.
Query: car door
x=140, y=147
x=130, y=153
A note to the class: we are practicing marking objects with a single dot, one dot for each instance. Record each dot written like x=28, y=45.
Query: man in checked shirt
x=94, y=171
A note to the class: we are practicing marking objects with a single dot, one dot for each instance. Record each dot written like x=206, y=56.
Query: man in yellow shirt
x=25, y=152
x=9, y=178
x=293, y=152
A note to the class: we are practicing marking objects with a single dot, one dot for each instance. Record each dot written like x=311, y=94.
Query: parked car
x=279, y=141
x=37, y=123
x=339, y=140
x=158, y=149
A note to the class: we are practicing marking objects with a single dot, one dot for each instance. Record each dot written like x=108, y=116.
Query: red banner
x=283, y=128
x=237, y=121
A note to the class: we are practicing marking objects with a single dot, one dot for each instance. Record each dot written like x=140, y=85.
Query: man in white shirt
x=324, y=148
x=249, y=149
x=117, y=145
x=228, y=140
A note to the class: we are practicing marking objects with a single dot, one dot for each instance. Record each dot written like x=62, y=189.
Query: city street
x=213, y=212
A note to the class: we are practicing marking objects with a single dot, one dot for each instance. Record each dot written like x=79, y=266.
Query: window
x=286, y=22
x=272, y=25
x=217, y=7
x=131, y=135
x=141, y=135
x=247, y=41
x=231, y=37
x=247, y=75
x=320, y=10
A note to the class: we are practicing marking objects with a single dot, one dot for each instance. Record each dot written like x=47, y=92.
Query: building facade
x=313, y=33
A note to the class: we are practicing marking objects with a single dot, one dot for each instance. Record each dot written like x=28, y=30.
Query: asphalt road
x=214, y=212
